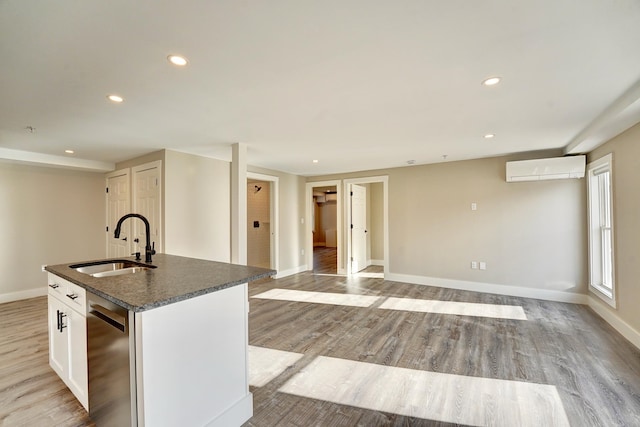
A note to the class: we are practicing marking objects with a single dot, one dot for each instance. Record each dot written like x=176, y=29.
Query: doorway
x=262, y=221
x=325, y=230
x=320, y=231
x=366, y=227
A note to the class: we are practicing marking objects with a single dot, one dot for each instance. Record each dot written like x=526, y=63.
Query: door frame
x=309, y=220
x=385, y=216
x=274, y=214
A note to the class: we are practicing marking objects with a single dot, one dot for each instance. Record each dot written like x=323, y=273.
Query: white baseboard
x=609, y=316
x=291, y=271
x=491, y=288
x=30, y=293
x=376, y=262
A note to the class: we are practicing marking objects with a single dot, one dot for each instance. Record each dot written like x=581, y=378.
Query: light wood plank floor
x=595, y=370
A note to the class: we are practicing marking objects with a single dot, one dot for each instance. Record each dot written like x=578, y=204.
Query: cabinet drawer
x=71, y=294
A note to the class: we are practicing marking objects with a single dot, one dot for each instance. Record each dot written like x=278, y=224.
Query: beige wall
x=626, y=222
x=47, y=216
x=291, y=210
x=197, y=213
x=530, y=234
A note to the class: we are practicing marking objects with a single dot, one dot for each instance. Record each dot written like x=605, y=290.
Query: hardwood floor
x=325, y=260
x=31, y=394
x=595, y=371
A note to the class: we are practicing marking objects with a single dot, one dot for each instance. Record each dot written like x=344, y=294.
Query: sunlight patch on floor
x=453, y=307
x=265, y=364
x=429, y=395
x=319, y=297
x=495, y=311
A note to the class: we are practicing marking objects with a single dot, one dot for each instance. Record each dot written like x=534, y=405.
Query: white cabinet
x=68, y=335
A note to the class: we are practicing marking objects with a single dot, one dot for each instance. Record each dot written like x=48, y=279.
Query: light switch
x=483, y=265
x=474, y=265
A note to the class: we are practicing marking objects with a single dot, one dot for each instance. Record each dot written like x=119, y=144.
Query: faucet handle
x=137, y=254
x=153, y=248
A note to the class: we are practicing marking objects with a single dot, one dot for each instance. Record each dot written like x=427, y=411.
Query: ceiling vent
x=545, y=169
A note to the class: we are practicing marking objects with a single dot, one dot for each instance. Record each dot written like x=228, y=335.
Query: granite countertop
x=175, y=279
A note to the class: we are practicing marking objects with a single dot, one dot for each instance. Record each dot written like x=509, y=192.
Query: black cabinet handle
x=72, y=296
x=54, y=286
x=60, y=325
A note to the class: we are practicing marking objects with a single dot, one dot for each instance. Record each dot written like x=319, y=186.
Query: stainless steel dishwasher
x=111, y=363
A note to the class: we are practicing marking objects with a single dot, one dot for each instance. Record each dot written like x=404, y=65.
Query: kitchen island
x=187, y=331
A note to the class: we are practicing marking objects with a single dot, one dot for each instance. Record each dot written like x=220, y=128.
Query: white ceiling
x=357, y=85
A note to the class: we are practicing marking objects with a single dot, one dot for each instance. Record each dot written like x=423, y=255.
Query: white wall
x=197, y=213
x=47, y=216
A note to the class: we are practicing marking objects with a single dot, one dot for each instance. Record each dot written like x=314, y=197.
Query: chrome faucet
x=148, y=249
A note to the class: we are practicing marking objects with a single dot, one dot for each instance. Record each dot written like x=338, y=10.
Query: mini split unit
x=545, y=169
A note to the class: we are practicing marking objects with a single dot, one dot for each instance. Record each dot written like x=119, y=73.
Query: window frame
x=600, y=186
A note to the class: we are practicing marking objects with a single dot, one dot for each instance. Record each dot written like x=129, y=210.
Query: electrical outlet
x=474, y=206
x=474, y=265
x=483, y=265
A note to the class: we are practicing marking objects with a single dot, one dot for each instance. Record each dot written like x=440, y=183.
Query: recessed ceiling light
x=489, y=136
x=115, y=98
x=491, y=81
x=178, y=60
x=315, y=161
x=69, y=151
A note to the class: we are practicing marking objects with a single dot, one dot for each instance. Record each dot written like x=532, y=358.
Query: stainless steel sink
x=111, y=268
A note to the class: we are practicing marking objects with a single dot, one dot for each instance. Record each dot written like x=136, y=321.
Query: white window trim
x=603, y=163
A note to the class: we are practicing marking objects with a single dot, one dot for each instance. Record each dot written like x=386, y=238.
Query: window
x=601, y=275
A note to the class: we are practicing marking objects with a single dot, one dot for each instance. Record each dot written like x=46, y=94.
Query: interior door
x=358, y=228
x=146, y=202
x=118, y=206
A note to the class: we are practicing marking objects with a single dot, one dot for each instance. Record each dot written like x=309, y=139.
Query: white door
x=358, y=228
x=146, y=202
x=118, y=206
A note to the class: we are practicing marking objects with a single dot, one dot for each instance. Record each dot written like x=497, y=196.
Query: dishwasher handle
x=112, y=318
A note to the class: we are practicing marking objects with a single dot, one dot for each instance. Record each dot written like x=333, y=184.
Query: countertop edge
x=244, y=274
x=159, y=303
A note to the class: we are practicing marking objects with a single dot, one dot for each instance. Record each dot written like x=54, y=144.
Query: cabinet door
x=77, y=356
x=58, y=339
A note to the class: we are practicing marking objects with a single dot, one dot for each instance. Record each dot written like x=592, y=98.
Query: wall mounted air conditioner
x=544, y=169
